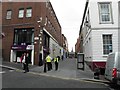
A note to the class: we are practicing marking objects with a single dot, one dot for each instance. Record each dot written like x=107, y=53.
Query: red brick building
x=65, y=46
x=29, y=27
x=77, y=46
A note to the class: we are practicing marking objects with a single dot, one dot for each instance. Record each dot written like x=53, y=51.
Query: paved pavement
x=67, y=70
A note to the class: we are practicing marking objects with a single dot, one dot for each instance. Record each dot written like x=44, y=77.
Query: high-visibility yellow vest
x=48, y=59
x=55, y=59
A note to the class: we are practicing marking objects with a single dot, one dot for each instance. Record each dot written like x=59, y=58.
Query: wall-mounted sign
x=22, y=47
x=19, y=47
x=30, y=47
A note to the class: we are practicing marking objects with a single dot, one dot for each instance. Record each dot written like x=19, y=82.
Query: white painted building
x=55, y=48
x=100, y=28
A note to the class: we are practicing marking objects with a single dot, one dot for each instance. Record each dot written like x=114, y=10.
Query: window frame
x=24, y=36
x=19, y=13
x=109, y=13
x=8, y=14
x=106, y=44
x=29, y=13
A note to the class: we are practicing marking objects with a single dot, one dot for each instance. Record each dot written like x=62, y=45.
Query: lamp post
x=41, y=40
x=88, y=24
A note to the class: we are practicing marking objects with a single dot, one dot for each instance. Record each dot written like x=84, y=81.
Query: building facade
x=100, y=31
x=30, y=27
x=65, y=47
x=77, y=46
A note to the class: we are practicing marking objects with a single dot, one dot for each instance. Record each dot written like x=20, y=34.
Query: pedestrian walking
x=56, y=59
x=45, y=66
x=26, y=63
x=48, y=61
x=23, y=60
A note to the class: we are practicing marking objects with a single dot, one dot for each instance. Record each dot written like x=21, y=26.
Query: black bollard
x=97, y=73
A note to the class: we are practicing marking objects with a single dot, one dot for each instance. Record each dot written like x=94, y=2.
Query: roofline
x=55, y=15
x=86, y=5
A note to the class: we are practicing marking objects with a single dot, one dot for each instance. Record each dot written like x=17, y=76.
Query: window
x=29, y=12
x=46, y=4
x=24, y=37
x=107, y=44
x=9, y=14
x=105, y=12
x=45, y=40
x=21, y=13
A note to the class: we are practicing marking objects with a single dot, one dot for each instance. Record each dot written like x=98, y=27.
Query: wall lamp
x=87, y=24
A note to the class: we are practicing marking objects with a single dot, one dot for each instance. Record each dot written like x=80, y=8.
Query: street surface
x=66, y=77
x=17, y=79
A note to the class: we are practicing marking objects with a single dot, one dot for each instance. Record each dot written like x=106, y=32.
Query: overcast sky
x=69, y=14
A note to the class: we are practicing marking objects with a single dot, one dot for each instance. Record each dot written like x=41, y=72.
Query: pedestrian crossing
x=5, y=70
x=2, y=72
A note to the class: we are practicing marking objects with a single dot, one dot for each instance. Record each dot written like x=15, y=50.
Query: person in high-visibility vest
x=56, y=63
x=48, y=61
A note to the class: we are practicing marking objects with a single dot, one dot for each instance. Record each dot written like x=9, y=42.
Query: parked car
x=112, y=71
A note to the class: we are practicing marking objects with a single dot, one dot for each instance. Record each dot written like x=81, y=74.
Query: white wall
x=98, y=43
x=94, y=14
x=54, y=46
x=93, y=47
x=87, y=44
x=119, y=28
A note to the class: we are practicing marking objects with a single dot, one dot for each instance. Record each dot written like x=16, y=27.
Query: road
x=18, y=79
x=66, y=77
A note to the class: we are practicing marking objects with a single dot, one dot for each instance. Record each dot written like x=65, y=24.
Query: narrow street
x=66, y=77
x=17, y=79
x=44, y=45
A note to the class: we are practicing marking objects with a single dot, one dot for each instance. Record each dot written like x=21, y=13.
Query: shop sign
x=19, y=47
x=30, y=47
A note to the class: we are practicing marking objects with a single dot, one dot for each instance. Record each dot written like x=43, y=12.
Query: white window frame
x=29, y=12
x=9, y=14
x=21, y=13
x=103, y=14
x=106, y=44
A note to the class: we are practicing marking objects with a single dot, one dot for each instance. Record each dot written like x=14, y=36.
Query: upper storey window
x=29, y=12
x=9, y=14
x=21, y=13
x=105, y=12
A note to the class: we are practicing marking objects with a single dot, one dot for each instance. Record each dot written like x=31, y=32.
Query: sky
x=69, y=14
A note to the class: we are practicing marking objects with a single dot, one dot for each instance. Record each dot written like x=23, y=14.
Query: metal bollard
x=97, y=73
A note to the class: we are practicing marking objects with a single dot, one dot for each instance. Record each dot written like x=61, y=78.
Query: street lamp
x=40, y=41
x=87, y=24
x=40, y=38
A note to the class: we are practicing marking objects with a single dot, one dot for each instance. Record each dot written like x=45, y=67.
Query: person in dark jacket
x=26, y=63
x=56, y=59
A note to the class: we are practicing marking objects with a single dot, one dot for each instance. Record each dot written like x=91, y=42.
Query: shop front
x=18, y=50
